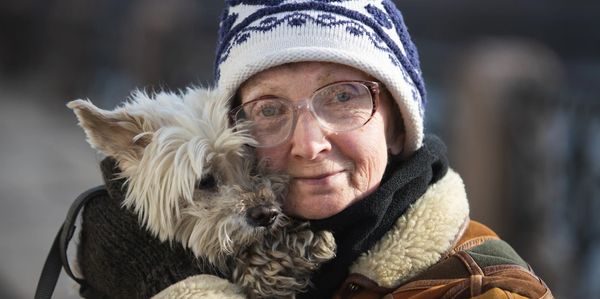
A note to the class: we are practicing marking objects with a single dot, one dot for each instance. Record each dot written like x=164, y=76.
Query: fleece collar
x=420, y=237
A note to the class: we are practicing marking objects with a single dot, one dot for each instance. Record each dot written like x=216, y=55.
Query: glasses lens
x=343, y=106
x=269, y=120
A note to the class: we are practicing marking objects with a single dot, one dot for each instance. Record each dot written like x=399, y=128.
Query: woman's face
x=329, y=170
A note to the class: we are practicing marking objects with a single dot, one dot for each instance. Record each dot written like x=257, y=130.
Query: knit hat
x=367, y=35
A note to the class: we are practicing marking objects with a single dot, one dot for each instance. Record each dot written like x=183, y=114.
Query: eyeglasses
x=338, y=107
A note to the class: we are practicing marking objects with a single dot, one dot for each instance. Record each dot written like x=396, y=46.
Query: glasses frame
x=374, y=88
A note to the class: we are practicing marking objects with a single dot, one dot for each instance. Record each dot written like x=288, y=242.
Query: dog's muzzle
x=262, y=215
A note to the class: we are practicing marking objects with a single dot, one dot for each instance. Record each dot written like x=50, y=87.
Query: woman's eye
x=268, y=111
x=342, y=96
x=208, y=182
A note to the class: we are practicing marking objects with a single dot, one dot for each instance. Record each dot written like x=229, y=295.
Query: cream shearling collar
x=420, y=237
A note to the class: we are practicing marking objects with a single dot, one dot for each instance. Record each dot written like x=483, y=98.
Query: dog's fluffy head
x=189, y=173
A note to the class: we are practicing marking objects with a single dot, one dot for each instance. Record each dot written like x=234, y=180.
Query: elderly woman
x=335, y=93
x=336, y=98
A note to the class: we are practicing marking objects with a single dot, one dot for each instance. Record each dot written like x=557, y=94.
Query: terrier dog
x=191, y=178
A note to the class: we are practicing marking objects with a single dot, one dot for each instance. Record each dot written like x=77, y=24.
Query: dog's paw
x=309, y=249
x=282, y=265
x=264, y=274
x=323, y=247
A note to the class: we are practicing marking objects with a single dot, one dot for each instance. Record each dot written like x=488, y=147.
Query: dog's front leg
x=282, y=265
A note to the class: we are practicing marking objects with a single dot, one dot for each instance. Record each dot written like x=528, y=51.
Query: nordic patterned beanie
x=367, y=35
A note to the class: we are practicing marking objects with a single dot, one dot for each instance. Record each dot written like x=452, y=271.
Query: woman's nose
x=308, y=138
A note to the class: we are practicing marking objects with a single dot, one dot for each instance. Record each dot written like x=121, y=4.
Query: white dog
x=191, y=178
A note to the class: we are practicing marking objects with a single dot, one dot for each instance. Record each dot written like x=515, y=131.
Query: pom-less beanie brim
x=354, y=33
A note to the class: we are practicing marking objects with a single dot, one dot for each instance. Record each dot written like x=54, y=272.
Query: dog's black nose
x=262, y=215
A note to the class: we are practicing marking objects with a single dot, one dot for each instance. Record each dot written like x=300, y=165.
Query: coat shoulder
x=479, y=266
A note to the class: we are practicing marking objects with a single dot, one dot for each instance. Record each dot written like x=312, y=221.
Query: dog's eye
x=206, y=183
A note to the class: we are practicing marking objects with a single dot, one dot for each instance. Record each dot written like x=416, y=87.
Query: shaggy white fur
x=164, y=145
x=420, y=237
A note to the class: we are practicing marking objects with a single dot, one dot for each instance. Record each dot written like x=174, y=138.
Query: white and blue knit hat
x=368, y=35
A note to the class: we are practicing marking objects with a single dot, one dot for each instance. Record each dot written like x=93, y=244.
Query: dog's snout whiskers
x=262, y=215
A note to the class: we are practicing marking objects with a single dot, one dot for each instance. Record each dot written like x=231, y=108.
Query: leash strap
x=57, y=257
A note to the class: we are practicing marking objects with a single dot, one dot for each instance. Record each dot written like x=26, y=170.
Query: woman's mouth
x=320, y=179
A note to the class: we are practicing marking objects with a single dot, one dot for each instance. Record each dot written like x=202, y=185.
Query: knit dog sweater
x=118, y=257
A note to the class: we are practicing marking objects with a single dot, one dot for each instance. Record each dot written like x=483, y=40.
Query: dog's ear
x=114, y=133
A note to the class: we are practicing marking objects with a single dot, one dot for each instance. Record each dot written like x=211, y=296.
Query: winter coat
x=433, y=251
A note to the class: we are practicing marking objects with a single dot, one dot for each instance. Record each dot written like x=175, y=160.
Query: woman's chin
x=314, y=208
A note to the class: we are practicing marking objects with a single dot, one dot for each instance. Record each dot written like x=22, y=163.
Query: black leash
x=57, y=257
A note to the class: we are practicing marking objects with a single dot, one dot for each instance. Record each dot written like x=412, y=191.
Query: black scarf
x=360, y=226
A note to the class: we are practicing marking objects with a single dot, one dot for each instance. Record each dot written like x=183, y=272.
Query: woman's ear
x=394, y=124
x=396, y=143
x=397, y=148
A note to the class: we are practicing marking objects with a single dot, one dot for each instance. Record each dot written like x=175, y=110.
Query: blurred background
x=513, y=89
